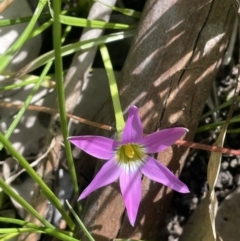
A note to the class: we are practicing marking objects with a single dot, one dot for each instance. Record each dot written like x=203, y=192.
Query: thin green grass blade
x=20, y=230
x=30, y=96
x=44, y=188
x=125, y=11
x=60, y=234
x=60, y=92
x=4, y=142
x=14, y=21
x=6, y=58
x=120, y=123
x=26, y=104
x=28, y=224
x=235, y=131
x=9, y=191
x=9, y=236
x=214, y=125
x=72, y=48
x=28, y=79
x=84, y=229
x=82, y=22
x=224, y=105
x=41, y=28
x=55, y=233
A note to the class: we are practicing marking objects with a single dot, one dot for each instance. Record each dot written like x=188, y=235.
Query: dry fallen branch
x=189, y=144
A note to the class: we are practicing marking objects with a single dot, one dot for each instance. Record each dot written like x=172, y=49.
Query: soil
x=194, y=173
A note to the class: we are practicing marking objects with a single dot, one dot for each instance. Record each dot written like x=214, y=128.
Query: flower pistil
x=130, y=156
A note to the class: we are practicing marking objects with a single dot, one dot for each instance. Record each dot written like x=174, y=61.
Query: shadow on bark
x=168, y=74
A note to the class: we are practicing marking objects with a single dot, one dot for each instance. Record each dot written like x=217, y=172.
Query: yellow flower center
x=130, y=153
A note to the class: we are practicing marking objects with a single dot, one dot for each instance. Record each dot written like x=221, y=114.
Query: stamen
x=130, y=156
x=129, y=151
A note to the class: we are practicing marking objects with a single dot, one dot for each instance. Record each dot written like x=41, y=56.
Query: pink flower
x=128, y=160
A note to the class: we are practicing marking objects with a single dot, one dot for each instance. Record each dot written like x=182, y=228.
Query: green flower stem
x=84, y=229
x=82, y=22
x=29, y=224
x=6, y=58
x=211, y=126
x=14, y=21
x=20, y=230
x=60, y=91
x=9, y=237
x=45, y=189
x=41, y=29
x=120, y=123
x=73, y=47
x=54, y=232
x=8, y=190
x=224, y=105
x=14, y=86
x=32, y=80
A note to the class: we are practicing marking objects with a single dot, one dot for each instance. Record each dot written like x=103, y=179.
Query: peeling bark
x=168, y=74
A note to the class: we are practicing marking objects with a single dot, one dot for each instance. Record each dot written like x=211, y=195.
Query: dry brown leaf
x=201, y=225
x=198, y=227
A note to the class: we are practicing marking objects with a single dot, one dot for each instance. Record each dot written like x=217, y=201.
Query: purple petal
x=109, y=173
x=97, y=146
x=159, y=173
x=161, y=140
x=133, y=130
x=130, y=184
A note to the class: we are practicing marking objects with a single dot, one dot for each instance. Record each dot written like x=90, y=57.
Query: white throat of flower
x=130, y=156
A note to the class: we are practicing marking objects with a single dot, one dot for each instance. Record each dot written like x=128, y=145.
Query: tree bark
x=168, y=74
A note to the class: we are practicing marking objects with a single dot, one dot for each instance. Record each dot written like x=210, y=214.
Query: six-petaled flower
x=128, y=159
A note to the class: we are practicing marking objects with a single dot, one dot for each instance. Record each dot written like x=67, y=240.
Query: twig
x=53, y=111
x=207, y=147
x=189, y=144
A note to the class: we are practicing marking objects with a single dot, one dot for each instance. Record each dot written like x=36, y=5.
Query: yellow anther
x=129, y=151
